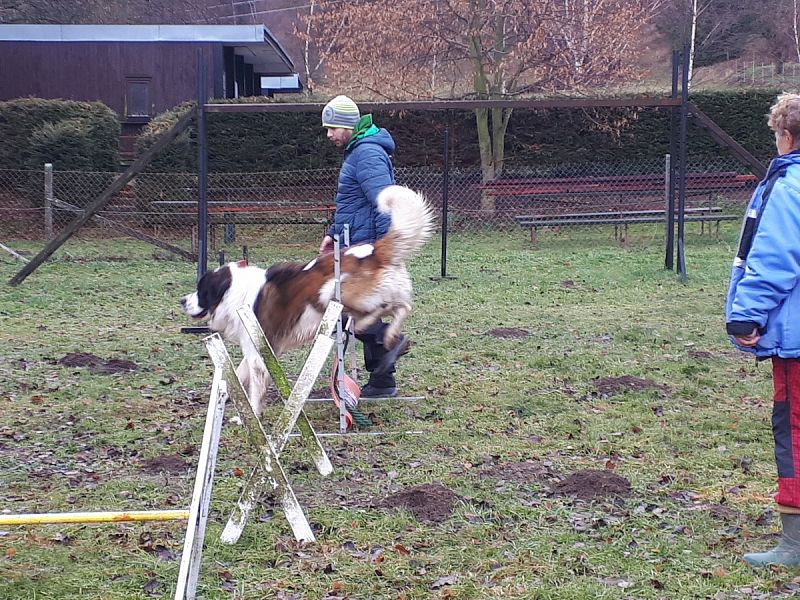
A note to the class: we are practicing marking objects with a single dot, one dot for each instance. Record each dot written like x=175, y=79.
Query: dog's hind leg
x=395, y=329
x=365, y=321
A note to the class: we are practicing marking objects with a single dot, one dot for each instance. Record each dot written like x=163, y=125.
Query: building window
x=137, y=97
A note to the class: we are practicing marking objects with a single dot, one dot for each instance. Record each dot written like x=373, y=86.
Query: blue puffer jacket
x=764, y=290
x=366, y=171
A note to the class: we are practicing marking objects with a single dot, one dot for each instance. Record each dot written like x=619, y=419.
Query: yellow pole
x=94, y=517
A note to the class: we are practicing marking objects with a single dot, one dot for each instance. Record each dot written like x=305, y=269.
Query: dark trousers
x=374, y=351
x=786, y=428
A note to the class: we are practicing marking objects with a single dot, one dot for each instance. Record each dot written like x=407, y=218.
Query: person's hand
x=326, y=247
x=750, y=340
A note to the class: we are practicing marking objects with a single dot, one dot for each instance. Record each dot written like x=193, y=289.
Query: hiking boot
x=787, y=552
x=371, y=391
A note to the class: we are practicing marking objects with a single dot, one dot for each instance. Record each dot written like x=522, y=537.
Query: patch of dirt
x=431, y=502
x=523, y=472
x=508, y=332
x=79, y=359
x=608, y=386
x=166, y=463
x=723, y=513
x=593, y=484
x=700, y=354
x=96, y=364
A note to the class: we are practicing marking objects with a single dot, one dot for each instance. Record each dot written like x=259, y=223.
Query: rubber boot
x=787, y=552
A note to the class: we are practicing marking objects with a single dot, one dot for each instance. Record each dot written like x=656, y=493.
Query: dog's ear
x=280, y=273
x=212, y=287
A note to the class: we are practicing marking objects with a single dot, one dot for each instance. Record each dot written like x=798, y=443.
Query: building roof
x=255, y=42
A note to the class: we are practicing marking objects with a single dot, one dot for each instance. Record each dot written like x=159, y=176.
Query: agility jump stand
x=268, y=473
x=292, y=415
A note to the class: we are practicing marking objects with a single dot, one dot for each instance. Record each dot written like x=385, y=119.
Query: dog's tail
x=412, y=222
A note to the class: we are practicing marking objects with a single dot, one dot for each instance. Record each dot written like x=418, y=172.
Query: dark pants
x=786, y=428
x=374, y=351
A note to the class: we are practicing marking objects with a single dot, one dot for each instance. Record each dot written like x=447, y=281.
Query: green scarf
x=363, y=128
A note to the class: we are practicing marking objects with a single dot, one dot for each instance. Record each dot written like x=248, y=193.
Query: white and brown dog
x=289, y=298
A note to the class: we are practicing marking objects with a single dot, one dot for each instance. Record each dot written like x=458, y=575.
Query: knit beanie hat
x=340, y=112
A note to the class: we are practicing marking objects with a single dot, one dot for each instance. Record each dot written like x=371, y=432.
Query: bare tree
x=794, y=29
x=485, y=49
x=309, y=30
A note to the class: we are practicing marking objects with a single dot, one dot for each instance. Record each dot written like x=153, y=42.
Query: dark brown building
x=140, y=70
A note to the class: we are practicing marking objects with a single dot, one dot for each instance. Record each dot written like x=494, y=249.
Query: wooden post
x=48, y=201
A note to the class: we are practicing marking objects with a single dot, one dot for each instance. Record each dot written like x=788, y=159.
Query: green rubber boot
x=787, y=552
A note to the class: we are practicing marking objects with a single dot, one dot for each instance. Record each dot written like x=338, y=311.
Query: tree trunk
x=487, y=158
x=692, y=36
x=492, y=144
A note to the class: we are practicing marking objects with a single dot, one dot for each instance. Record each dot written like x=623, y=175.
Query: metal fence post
x=669, y=200
x=202, y=167
x=48, y=201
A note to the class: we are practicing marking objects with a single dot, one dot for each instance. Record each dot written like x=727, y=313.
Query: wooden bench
x=250, y=212
x=230, y=214
x=621, y=218
x=561, y=189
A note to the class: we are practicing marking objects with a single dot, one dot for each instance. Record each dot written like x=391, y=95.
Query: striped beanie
x=340, y=112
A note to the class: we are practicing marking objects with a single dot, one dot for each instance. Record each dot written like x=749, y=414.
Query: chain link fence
x=255, y=209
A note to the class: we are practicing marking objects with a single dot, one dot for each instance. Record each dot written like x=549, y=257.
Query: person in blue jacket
x=366, y=171
x=763, y=312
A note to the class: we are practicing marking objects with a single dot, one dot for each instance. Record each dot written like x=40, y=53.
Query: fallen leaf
x=402, y=549
x=443, y=581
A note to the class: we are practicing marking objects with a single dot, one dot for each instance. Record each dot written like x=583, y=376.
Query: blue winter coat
x=764, y=290
x=366, y=171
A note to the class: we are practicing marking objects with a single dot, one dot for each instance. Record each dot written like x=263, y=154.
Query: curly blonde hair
x=784, y=115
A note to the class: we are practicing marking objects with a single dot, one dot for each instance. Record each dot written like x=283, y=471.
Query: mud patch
x=523, y=472
x=96, y=364
x=166, y=463
x=608, y=386
x=430, y=503
x=508, y=332
x=723, y=513
x=593, y=485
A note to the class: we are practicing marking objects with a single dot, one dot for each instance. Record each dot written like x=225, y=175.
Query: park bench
x=303, y=204
x=621, y=218
x=578, y=190
x=230, y=214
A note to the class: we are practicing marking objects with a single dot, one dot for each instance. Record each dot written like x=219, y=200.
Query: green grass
x=697, y=452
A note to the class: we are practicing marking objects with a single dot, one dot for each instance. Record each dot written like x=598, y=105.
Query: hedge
x=72, y=135
x=295, y=141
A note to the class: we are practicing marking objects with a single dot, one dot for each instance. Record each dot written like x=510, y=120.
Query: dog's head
x=211, y=289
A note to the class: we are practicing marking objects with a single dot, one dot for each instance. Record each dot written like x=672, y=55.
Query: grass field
x=579, y=368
